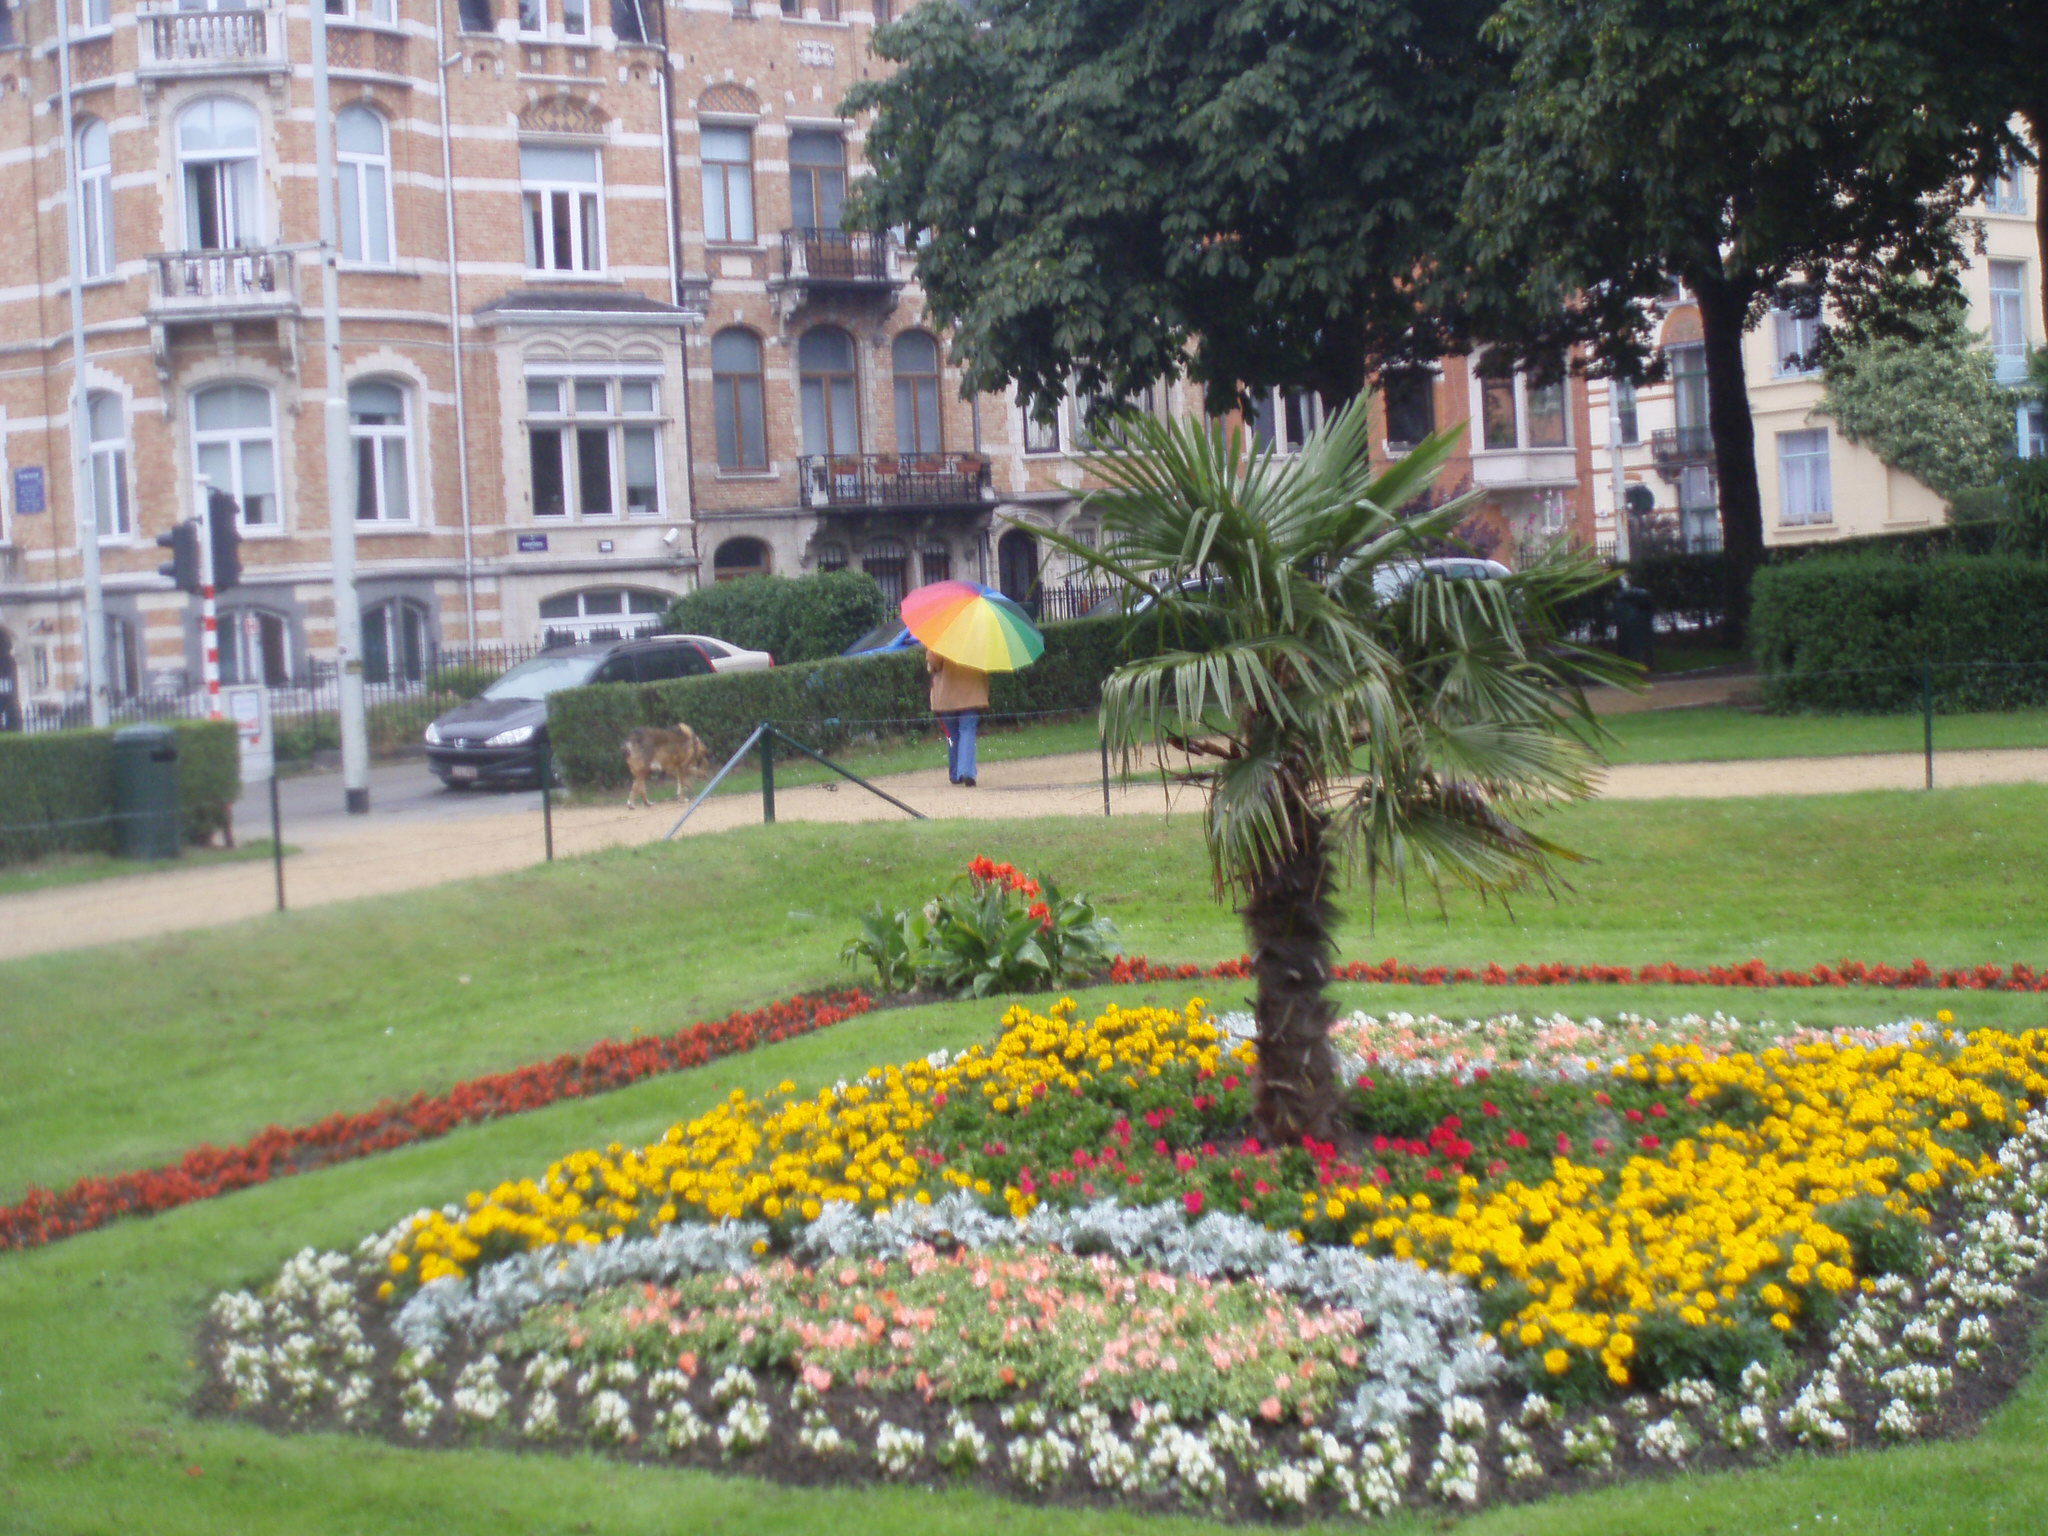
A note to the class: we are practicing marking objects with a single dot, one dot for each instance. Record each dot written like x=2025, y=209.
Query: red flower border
x=1748, y=973
x=43, y=1216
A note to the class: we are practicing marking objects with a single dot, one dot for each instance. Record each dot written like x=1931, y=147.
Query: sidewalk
x=341, y=858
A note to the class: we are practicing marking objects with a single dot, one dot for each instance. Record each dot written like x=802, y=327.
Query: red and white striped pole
x=209, y=616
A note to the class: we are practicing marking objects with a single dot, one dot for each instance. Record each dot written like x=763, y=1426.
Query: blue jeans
x=960, y=727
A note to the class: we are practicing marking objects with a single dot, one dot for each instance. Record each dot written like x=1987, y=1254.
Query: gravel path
x=344, y=858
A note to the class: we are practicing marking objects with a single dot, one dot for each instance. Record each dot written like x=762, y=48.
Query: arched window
x=362, y=162
x=934, y=563
x=737, y=402
x=255, y=647
x=887, y=561
x=377, y=427
x=915, y=359
x=824, y=362
x=108, y=434
x=217, y=151
x=398, y=644
x=95, y=198
x=601, y=613
x=740, y=557
x=234, y=448
x=831, y=557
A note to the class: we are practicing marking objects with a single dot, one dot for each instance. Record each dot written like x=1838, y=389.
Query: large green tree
x=1738, y=145
x=1255, y=192
x=1342, y=704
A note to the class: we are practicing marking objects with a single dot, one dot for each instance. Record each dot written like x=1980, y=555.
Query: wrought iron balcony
x=884, y=481
x=849, y=263
x=1682, y=445
x=223, y=284
x=210, y=42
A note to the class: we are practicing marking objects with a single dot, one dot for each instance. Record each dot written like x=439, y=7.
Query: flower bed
x=1058, y=1263
x=1746, y=974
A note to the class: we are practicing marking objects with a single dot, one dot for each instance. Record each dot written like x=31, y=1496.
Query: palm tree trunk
x=1289, y=917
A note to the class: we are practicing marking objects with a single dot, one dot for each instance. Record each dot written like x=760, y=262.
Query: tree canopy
x=1254, y=192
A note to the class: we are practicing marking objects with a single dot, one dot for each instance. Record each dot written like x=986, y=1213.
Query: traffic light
x=226, y=518
x=183, y=543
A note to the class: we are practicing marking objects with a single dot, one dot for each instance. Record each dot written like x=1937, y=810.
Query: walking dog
x=677, y=753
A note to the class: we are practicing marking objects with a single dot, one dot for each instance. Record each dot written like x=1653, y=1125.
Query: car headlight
x=433, y=734
x=511, y=738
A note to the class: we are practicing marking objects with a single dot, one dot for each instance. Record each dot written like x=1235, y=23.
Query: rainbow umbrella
x=974, y=625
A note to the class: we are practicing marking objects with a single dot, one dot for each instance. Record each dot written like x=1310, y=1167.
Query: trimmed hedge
x=792, y=618
x=1851, y=632
x=57, y=789
x=826, y=703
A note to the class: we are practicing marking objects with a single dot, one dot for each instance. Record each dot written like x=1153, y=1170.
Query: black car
x=500, y=736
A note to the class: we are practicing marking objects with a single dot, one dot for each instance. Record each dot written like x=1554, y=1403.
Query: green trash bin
x=146, y=791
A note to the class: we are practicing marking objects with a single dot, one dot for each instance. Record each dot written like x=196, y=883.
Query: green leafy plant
x=1003, y=931
x=793, y=618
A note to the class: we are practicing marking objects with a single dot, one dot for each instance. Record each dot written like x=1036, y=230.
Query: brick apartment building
x=603, y=335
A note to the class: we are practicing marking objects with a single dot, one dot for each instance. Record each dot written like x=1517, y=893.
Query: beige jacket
x=954, y=686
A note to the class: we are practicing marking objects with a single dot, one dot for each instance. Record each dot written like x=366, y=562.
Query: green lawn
x=1718, y=733
x=213, y=1034
x=81, y=868
x=111, y=1060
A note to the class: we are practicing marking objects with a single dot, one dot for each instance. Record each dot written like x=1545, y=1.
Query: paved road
x=403, y=790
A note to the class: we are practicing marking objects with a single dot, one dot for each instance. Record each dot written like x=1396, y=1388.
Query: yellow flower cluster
x=783, y=1156
x=1736, y=1221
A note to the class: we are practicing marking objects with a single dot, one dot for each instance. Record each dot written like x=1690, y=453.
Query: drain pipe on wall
x=455, y=332
x=672, y=204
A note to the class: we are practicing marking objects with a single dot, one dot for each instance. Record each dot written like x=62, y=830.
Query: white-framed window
x=95, y=15
x=362, y=167
x=1627, y=415
x=914, y=361
x=2009, y=320
x=817, y=178
x=1795, y=341
x=1516, y=412
x=107, y=434
x=1805, y=490
x=1041, y=436
x=125, y=671
x=828, y=10
x=2033, y=430
x=602, y=613
x=564, y=203
x=234, y=449
x=255, y=646
x=383, y=13
x=95, y=198
x=825, y=388
x=738, y=406
x=378, y=429
x=2008, y=193
x=728, y=185
x=398, y=641
x=533, y=18
x=218, y=150
x=1408, y=400
x=594, y=446
x=1284, y=419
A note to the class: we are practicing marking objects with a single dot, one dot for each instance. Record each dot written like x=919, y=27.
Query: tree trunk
x=2036, y=119
x=1289, y=917
x=1724, y=313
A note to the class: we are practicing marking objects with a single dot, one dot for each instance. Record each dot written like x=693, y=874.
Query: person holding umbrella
x=968, y=631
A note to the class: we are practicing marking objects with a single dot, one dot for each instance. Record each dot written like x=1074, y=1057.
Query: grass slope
x=112, y=1060
x=94, y=1373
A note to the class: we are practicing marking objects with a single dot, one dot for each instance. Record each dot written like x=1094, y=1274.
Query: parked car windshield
x=538, y=678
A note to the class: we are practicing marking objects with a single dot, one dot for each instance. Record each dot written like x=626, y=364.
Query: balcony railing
x=888, y=480
x=852, y=258
x=224, y=282
x=1682, y=445
x=203, y=41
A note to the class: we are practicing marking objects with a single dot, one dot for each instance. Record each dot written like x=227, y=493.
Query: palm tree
x=1340, y=705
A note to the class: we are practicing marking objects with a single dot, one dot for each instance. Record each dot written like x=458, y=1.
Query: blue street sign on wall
x=533, y=543
x=28, y=490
